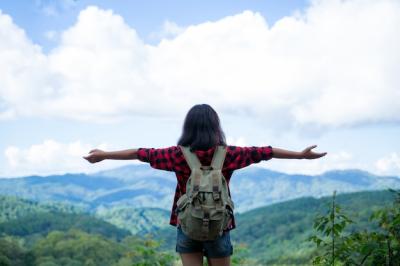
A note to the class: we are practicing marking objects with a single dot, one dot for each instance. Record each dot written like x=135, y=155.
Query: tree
x=376, y=247
x=12, y=253
x=331, y=242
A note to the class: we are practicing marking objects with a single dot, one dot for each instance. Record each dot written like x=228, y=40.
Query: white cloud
x=389, y=165
x=169, y=30
x=52, y=157
x=334, y=65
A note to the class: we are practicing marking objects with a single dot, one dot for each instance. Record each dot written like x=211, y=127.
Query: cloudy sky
x=79, y=74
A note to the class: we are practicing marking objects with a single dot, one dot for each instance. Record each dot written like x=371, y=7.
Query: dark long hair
x=202, y=129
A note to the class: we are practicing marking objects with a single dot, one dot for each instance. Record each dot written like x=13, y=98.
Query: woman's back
x=172, y=159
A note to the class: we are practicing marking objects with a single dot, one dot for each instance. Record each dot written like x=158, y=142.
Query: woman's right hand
x=95, y=156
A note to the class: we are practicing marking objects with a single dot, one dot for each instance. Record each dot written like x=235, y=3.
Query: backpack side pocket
x=181, y=209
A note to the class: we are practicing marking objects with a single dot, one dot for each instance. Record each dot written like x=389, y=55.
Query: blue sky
x=122, y=74
x=37, y=17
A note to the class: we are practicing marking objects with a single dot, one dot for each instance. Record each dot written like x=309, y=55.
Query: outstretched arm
x=307, y=153
x=99, y=155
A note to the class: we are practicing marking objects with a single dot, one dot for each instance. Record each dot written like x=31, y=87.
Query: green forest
x=360, y=228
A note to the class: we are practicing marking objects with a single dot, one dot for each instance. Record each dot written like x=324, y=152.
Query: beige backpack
x=206, y=209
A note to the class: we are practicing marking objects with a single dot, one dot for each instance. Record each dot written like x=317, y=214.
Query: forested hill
x=279, y=232
x=140, y=186
x=272, y=235
x=51, y=234
x=30, y=219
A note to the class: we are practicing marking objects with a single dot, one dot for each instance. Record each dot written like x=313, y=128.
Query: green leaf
x=365, y=249
x=328, y=231
x=396, y=221
x=337, y=228
x=322, y=226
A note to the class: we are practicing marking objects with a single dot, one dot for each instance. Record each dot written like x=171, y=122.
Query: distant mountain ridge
x=267, y=187
x=139, y=186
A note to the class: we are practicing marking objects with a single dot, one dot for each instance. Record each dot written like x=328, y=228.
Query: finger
x=318, y=155
x=87, y=158
x=309, y=148
x=312, y=147
x=94, y=150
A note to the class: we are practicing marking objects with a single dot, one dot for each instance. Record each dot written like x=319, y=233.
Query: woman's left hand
x=307, y=153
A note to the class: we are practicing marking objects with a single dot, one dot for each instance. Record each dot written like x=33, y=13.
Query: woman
x=202, y=133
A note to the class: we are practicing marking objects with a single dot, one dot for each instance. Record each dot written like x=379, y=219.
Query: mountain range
x=139, y=186
x=274, y=211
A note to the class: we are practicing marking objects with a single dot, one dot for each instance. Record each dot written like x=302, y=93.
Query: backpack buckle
x=206, y=219
x=206, y=222
x=197, y=206
x=216, y=196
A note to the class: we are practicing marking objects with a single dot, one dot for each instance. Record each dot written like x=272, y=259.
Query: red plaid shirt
x=172, y=159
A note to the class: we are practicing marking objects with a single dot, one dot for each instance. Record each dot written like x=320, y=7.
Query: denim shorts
x=219, y=248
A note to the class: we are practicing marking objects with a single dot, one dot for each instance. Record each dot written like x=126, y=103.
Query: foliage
x=12, y=208
x=12, y=253
x=76, y=247
x=137, y=220
x=80, y=248
x=241, y=255
x=277, y=234
x=43, y=223
x=271, y=235
x=41, y=234
x=331, y=226
x=363, y=247
x=146, y=252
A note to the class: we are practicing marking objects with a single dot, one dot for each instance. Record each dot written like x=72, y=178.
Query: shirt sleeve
x=163, y=159
x=240, y=157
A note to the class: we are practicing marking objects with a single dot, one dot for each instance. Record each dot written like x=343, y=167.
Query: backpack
x=206, y=209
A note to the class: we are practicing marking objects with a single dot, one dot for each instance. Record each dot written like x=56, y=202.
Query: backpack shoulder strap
x=191, y=158
x=218, y=158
